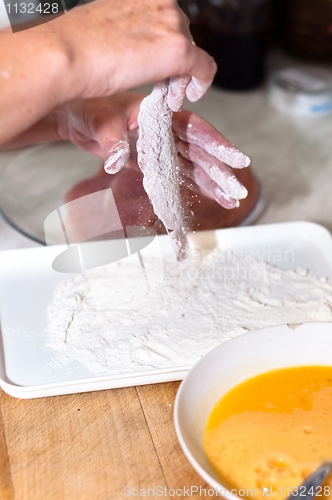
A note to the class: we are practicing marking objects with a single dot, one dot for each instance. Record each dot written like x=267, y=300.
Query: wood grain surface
x=93, y=445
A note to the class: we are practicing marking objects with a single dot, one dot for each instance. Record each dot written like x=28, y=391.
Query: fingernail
x=225, y=201
x=117, y=157
x=196, y=89
x=247, y=160
x=177, y=92
x=133, y=126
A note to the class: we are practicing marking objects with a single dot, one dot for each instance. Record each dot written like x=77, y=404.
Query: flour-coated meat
x=157, y=158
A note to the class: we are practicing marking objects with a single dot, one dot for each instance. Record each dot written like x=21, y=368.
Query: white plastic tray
x=27, y=282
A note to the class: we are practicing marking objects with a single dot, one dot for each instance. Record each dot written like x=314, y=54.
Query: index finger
x=202, y=66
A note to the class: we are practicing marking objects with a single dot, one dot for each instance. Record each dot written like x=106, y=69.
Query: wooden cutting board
x=93, y=445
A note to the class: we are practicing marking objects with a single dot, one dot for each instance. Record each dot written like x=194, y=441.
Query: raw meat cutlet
x=157, y=158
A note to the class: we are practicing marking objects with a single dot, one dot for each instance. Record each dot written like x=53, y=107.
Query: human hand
x=96, y=50
x=103, y=126
x=120, y=44
x=208, y=159
x=107, y=127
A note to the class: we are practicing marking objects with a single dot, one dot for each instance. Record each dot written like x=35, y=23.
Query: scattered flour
x=198, y=305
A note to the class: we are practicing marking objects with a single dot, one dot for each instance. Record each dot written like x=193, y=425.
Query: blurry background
x=4, y=20
x=241, y=33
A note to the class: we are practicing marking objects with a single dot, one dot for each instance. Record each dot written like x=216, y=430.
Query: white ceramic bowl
x=233, y=362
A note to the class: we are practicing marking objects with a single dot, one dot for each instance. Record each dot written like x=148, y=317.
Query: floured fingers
x=177, y=87
x=193, y=129
x=222, y=175
x=117, y=153
x=182, y=86
x=212, y=190
x=193, y=177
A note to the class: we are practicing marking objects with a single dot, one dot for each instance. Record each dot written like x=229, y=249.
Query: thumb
x=116, y=154
x=111, y=134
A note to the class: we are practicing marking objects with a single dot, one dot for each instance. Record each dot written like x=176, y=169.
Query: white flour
x=105, y=321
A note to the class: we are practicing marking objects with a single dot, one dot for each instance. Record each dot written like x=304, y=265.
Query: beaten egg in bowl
x=254, y=415
x=267, y=434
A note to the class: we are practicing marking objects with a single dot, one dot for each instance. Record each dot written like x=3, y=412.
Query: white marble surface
x=292, y=157
x=9, y=237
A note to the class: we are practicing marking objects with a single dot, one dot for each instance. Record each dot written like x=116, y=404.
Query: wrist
x=65, y=76
x=69, y=33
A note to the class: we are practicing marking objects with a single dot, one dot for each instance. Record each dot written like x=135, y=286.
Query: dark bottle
x=237, y=39
x=194, y=11
x=308, y=29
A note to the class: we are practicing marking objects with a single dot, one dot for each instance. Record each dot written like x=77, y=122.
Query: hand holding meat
x=107, y=127
x=96, y=50
x=124, y=43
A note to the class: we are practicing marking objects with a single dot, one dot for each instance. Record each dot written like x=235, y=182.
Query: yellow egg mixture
x=270, y=432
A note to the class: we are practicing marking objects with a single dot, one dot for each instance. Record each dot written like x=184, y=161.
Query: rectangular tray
x=27, y=282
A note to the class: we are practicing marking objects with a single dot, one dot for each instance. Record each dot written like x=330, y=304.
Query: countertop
x=93, y=445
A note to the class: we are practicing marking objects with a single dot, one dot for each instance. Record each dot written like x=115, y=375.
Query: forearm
x=35, y=77
x=93, y=51
x=46, y=130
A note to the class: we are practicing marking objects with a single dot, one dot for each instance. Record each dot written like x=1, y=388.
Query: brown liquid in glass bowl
x=135, y=209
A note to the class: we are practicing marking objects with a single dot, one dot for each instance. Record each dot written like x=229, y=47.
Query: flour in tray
x=104, y=321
